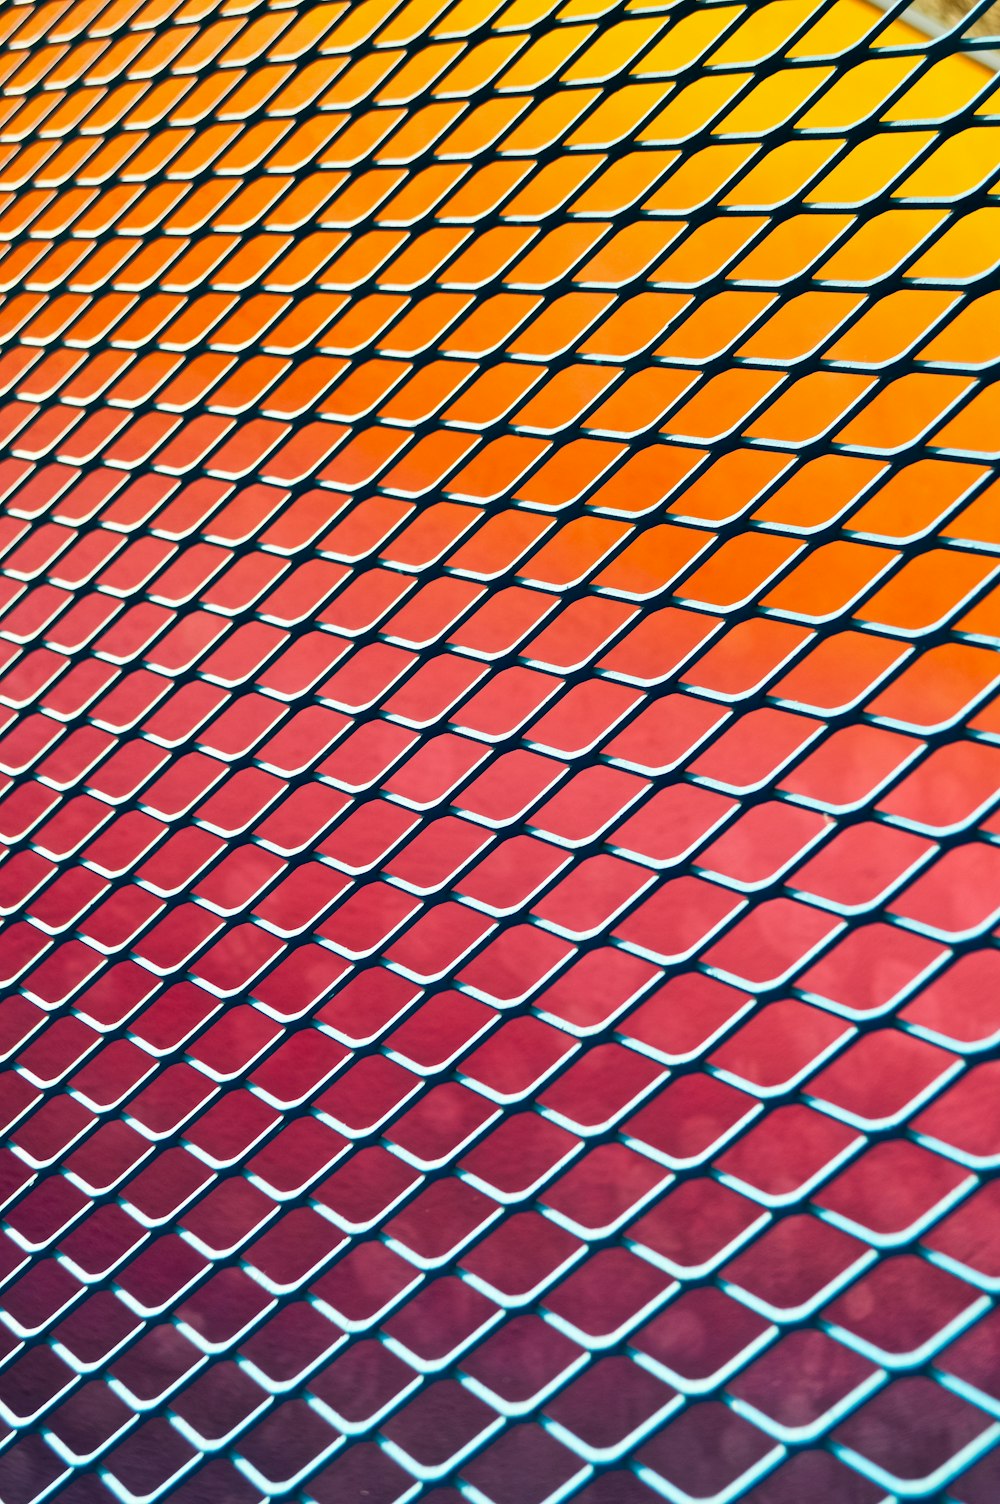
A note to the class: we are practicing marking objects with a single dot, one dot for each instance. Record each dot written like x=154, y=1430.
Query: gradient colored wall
x=498, y=737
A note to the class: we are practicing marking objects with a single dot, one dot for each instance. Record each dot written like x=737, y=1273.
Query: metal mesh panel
x=499, y=737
